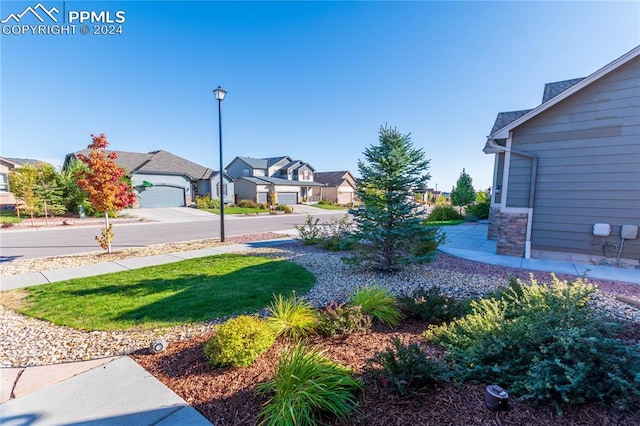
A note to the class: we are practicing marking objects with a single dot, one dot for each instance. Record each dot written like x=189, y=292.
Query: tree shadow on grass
x=198, y=297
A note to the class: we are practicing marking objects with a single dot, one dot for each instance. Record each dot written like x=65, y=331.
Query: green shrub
x=336, y=234
x=263, y=206
x=248, y=203
x=239, y=341
x=545, y=345
x=326, y=203
x=379, y=303
x=205, y=202
x=404, y=367
x=293, y=317
x=306, y=387
x=443, y=213
x=340, y=320
x=479, y=210
x=431, y=305
x=310, y=232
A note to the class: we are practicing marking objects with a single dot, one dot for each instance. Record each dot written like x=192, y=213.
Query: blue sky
x=312, y=80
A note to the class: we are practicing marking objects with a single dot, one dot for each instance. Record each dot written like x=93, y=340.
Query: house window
x=4, y=183
x=224, y=189
x=245, y=172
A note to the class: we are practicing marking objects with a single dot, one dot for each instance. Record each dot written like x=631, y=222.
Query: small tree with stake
x=105, y=183
x=389, y=229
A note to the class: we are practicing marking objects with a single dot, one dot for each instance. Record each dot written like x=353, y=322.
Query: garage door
x=288, y=198
x=162, y=196
x=262, y=197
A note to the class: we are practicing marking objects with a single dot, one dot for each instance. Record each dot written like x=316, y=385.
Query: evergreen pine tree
x=463, y=194
x=389, y=229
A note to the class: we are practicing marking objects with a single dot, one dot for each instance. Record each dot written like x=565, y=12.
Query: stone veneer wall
x=512, y=234
x=494, y=223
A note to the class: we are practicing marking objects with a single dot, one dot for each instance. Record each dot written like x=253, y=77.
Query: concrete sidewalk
x=469, y=241
x=112, y=391
x=117, y=391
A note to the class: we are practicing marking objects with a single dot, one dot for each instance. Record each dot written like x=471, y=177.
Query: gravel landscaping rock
x=28, y=342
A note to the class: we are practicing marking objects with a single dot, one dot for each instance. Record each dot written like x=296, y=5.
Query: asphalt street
x=44, y=242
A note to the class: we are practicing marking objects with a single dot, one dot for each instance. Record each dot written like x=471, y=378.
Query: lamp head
x=220, y=92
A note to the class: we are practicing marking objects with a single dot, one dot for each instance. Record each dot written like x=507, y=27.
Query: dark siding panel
x=588, y=148
x=519, y=178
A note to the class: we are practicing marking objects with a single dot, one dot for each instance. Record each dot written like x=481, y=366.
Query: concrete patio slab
x=36, y=378
x=8, y=377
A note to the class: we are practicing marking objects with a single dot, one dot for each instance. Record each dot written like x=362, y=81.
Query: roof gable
x=331, y=178
x=255, y=163
x=564, y=89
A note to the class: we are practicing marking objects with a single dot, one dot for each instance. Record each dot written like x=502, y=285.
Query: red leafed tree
x=105, y=183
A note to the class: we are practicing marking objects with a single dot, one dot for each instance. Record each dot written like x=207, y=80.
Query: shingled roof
x=157, y=162
x=551, y=90
x=505, y=118
x=330, y=178
x=22, y=161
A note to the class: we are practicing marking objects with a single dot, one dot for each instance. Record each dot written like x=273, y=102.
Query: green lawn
x=445, y=222
x=9, y=217
x=177, y=293
x=238, y=210
x=330, y=207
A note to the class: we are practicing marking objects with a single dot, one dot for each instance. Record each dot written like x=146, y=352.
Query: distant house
x=568, y=164
x=7, y=165
x=338, y=187
x=290, y=180
x=162, y=179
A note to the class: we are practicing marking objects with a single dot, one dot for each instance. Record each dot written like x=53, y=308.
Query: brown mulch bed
x=226, y=396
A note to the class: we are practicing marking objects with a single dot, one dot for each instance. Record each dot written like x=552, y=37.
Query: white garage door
x=262, y=197
x=288, y=198
x=162, y=196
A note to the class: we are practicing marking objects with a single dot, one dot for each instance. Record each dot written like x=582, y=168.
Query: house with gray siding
x=568, y=164
x=163, y=179
x=290, y=180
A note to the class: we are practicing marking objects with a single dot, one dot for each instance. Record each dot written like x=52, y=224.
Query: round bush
x=248, y=203
x=239, y=341
x=443, y=213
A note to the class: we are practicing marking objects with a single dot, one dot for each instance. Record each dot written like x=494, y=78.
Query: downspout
x=532, y=189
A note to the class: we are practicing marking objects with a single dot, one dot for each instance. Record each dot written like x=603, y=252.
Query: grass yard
x=445, y=222
x=330, y=207
x=10, y=217
x=238, y=210
x=177, y=293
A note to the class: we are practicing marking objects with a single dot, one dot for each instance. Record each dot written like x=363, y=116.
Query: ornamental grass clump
x=379, y=303
x=544, y=344
x=306, y=387
x=239, y=341
x=292, y=317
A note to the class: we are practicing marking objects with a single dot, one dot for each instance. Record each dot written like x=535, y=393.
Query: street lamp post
x=220, y=93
